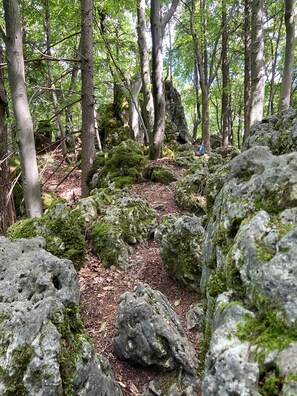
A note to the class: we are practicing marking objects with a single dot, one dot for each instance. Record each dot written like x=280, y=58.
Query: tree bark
x=25, y=135
x=257, y=63
x=225, y=78
x=52, y=85
x=157, y=80
x=289, y=56
x=7, y=209
x=88, y=101
x=148, y=105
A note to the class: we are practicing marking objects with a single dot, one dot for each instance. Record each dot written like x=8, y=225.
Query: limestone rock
x=44, y=347
x=150, y=333
x=127, y=222
x=180, y=241
x=278, y=132
x=59, y=228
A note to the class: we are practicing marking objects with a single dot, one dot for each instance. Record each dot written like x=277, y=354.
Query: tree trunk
x=203, y=83
x=135, y=132
x=247, y=68
x=289, y=56
x=88, y=102
x=148, y=105
x=7, y=209
x=225, y=78
x=52, y=85
x=257, y=64
x=25, y=135
x=157, y=80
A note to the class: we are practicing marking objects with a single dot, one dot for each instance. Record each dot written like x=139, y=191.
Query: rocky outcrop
x=44, y=347
x=180, y=242
x=249, y=275
x=175, y=113
x=127, y=222
x=150, y=333
x=278, y=132
x=59, y=228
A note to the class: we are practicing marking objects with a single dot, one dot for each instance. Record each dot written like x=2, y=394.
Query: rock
x=150, y=333
x=59, y=228
x=180, y=241
x=190, y=190
x=175, y=113
x=278, y=132
x=127, y=222
x=124, y=165
x=44, y=347
x=159, y=174
x=229, y=369
x=195, y=317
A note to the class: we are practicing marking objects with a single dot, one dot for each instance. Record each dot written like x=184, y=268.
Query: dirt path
x=100, y=288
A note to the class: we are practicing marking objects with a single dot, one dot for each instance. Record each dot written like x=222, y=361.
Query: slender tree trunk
x=148, y=105
x=7, y=209
x=247, y=68
x=289, y=56
x=203, y=83
x=134, y=124
x=225, y=78
x=52, y=85
x=157, y=80
x=88, y=100
x=257, y=63
x=197, y=112
x=270, y=109
x=25, y=135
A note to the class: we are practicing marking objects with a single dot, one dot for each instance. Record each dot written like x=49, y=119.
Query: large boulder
x=250, y=252
x=180, y=241
x=61, y=230
x=278, y=132
x=150, y=333
x=127, y=222
x=44, y=347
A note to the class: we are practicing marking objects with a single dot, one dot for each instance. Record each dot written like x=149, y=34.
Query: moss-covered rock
x=59, y=228
x=124, y=165
x=160, y=174
x=180, y=241
x=129, y=221
x=190, y=190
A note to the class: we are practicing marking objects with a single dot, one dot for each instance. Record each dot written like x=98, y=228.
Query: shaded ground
x=100, y=287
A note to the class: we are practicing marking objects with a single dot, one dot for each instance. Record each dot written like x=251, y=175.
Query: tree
x=7, y=210
x=88, y=99
x=24, y=125
x=289, y=56
x=257, y=63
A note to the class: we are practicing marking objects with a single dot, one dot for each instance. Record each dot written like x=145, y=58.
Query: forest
x=153, y=144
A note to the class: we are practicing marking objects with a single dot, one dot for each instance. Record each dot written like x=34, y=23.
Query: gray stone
x=150, y=333
x=44, y=347
x=195, y=318
x=180, y=241
x=229, y=369
x=278, y=132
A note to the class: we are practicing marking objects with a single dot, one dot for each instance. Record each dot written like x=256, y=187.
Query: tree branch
x=166, y=18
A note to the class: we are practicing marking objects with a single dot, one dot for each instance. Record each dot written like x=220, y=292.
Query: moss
x=73, y=337
x=21, y=357
x=271, y=383
x=160, y=174
x=23, y=229
x=125, y=163
x=268, y=331
x=207, y=332
x=264, y=251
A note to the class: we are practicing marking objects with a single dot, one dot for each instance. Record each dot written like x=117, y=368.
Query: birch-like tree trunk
x=24, y=124
x=225, y=79
x=289, y=56
x=88, y=100
x=257, y=63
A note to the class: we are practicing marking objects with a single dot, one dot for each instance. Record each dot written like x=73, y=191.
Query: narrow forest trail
x=101, y=288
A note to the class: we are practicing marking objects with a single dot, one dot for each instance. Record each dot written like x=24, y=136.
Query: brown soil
x=100, y=288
